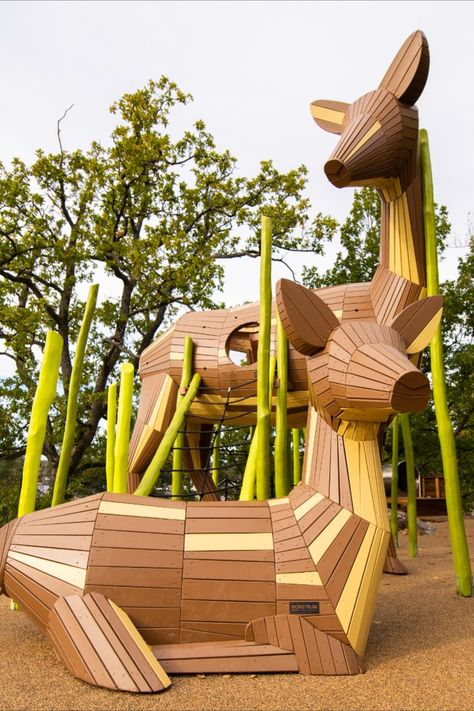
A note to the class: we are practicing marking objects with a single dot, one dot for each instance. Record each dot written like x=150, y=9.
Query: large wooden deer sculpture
x=130, y=588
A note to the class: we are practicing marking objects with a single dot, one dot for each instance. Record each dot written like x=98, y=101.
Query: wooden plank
x=139, y=524
x=135, y=558
x=78, y=559
x=140, y=596
x=237, y=665
x=228, y=525
x=135, y=540
x=228, y=590
x=228, y=570
x=227, y=555
x=133, y=577
x=224, y=611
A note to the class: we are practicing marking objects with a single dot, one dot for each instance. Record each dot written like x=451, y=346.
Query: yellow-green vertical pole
x=43, y=399
x=216, y=459
x=263, y=360
x=295, y=435
x=394, y=483
x=152, y=473
x=122, y=437
x=111, y=421
x=178, y=450
x=73, y=394
x=411, y=484
x=281, y=418
x=457, y=531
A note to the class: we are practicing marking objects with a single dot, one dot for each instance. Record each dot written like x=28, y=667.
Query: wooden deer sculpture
x=129, y=589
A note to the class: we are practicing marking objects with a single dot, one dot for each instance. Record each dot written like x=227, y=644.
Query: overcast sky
x=253, y=68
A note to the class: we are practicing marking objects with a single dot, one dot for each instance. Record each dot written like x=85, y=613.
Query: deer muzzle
x=337, y=173
x=410, y=392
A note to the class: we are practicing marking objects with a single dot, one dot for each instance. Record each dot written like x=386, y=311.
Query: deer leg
x=392, y=564
x=316, y=652
x=155, y=410
x=98, y=643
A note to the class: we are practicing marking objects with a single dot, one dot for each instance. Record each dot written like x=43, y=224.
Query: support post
x=178, y=450
x=122, y=437
x=295, y=435
x=263, y=359
x=457, y=531
x=43, y=399
x=152, y=473
x=281, y=419
x=411, y=484
x=394, y=482
x=62, y=472
x=111, y=421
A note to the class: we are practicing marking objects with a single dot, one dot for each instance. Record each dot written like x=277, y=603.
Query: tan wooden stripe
x=330, y=115
x=425, y=336
x=320, y=545
x=67, y=573
x=373, y=130
x=228, y=542
x=347, y=601
x=278, y=502
x=141, y=644
x=300, y=511
x=120, y=509
x=308, y=578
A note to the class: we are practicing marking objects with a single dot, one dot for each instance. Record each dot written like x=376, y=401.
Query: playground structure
x=287, y=584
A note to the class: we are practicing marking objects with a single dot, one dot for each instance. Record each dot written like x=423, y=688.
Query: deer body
x=281, y=585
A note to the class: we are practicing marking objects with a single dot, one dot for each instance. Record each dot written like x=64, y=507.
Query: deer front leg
x=316, y=652
x=156, y=408
x=98, y=643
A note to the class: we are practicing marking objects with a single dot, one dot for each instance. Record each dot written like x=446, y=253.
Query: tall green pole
x=394, y=483
x=43, y=399
x=457, y=532
x=178, y=450
x=122, y=437
x=152, y=473
x=281, y=420
x=216, y=459
x=263, y=360
x=111, y=420
x=73, y=394
x=295, y=435
x=411, y=484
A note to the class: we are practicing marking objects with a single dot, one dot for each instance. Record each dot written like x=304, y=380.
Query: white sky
x=253, y=68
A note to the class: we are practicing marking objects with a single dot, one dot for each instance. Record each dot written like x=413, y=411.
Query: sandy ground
x=420, y=655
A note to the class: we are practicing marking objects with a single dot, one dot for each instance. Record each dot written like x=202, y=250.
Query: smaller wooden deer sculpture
x=131, y=588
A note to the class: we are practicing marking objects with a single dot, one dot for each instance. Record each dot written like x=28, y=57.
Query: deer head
x=379, y=131
x=359, y=368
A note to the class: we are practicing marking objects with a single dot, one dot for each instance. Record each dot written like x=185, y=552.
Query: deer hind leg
x=196, y=459
x=155, y=410
x=98, y=643
x=393, y=564
x=316, y=652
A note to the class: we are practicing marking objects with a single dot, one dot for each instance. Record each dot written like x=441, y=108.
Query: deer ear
x=418, y=322
x=307, y=321
x=329, y=115
x=406, y=76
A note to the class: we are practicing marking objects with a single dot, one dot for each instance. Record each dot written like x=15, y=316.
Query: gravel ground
x=420, y=655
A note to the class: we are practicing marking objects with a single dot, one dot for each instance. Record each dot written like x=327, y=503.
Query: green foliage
x=151, y=213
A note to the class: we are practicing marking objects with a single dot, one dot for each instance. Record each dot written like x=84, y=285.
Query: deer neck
x=342, y=462
x=402, y=242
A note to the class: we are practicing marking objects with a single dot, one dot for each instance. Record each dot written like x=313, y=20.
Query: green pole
x=457, y=531
x=152, y=473
x=394, y=483
x=178, y=450
x=216, y=459
x=411, y=484
x=111, y=420
x=263, y=361
x=281, y=419
x=43, y=399
x=295, y=434
x=122, y=437
x=73, y=394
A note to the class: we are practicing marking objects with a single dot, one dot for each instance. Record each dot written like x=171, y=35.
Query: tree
x=149, y=214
